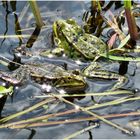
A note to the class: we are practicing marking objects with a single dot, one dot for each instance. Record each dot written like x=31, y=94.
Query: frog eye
x=69, y=78
x=71, y=21
x=76, y=72
x=58, y=26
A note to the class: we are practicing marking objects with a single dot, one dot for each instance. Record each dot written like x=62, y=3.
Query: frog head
x=65, y=32
x=66, y=28
x=71, y=83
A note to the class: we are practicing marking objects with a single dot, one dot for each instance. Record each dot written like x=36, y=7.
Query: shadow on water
x=2, y=103
x=123, y=67
x=33, y=37
x=22, y=49
x=12, y=65
x=33, y=132
x=5, y=5
x=17, y=25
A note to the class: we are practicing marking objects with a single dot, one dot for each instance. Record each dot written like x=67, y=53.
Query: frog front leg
x=94, y=71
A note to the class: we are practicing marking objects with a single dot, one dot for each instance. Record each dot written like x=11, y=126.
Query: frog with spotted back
x=74, y=42
x=56, y=76
x=46, y=73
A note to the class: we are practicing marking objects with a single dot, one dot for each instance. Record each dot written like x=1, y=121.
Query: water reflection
x=8, y=12
x=33, y=132
x=33, y=37
x=5, y=5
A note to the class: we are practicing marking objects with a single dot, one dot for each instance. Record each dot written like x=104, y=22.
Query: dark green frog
x=73, y=41
x=54, y=75
x=46, y=73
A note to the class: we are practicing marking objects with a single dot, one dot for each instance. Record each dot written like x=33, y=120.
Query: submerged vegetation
x=78, y=55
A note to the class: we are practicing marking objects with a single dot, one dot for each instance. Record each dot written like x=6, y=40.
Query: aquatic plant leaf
x=112, y=40
x=124, y=41
x=5, y=91
x=46, y=107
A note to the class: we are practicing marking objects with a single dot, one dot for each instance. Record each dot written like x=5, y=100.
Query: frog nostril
x=92, y=42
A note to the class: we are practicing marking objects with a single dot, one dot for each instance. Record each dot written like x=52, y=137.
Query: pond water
x=24, y=96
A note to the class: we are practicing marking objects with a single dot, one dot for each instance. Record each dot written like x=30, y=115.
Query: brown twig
x=110, y=116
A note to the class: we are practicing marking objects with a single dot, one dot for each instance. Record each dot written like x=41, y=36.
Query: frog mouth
x=73, y=86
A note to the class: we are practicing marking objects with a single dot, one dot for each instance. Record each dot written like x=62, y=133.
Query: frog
x=70, y=38
x=59, y=77
x=47, y=73
x=72, y=41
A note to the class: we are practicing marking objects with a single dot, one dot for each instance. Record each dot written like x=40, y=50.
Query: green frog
x=74, y=42
x=70, y=80
x=46, y=73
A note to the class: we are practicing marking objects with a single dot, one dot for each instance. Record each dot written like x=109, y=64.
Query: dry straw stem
x=66, y=101
x=15, y=36
x=40, y=104
x=114, y=25
x=20, y=124
x=126, y=131
x=81, y=131
x=114, y=102
x=107, y=93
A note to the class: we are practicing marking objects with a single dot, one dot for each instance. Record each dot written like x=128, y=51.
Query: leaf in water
x=124, y=41
x=46, y=120
x=112, y=40
x=46, y=107
x=5, y=91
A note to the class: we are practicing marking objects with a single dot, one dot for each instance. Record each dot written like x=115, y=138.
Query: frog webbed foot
x=23, y=50
x=122, y=80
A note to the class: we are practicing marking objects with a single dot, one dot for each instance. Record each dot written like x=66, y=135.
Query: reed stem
x=36, y=12
x=130, y=20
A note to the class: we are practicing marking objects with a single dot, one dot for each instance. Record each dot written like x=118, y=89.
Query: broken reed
x=130, y=20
